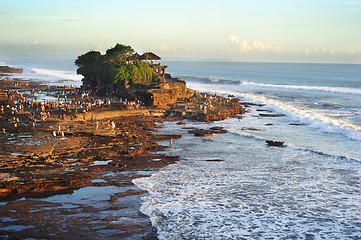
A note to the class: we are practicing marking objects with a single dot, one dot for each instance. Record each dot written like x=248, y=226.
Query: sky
x=230, y=30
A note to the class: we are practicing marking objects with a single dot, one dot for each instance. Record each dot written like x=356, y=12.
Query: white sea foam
x=256, y=193
x=344, y=90
x=220, y=80
x=48, y=76
x=313, y=117
x=67, y=75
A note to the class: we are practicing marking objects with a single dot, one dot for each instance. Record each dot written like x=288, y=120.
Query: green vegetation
x=111, y=71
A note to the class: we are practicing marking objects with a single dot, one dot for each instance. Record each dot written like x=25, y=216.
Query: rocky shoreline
x=106, y=146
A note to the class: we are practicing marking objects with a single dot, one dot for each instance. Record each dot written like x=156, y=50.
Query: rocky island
x=100, y=135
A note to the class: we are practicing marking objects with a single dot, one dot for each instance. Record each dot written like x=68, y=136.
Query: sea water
x=309, y=189
x=52, y=70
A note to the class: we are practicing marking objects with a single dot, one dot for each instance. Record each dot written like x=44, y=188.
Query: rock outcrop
x=7, y=69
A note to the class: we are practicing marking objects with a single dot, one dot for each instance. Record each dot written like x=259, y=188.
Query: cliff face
x=157, y=94
x=168, y=93
x=7, y=69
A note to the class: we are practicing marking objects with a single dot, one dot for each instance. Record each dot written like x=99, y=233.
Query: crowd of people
x=58, y=102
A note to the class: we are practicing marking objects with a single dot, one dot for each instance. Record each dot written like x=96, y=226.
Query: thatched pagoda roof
x=134, y=57
x=149, y=56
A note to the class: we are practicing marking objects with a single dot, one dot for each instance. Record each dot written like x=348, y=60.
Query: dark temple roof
x=134, y=57
x=149, y=56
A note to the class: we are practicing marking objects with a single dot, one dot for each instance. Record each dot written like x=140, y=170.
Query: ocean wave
x=293, y=146
x=308, y=88
x=209, y=80
x=218, y=80
x=312, y=117
x=250, y=199
x=61, y=74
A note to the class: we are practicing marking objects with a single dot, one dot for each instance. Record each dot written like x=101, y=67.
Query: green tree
x=88, y=62
x=89, y=65
x=120, y=49
x=109, y=70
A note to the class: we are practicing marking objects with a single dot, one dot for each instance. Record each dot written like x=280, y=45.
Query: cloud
x=309, y=51
x=323, y=50
x=3, y=13
x=36, y=42
x=256, y=46
x=165, y=48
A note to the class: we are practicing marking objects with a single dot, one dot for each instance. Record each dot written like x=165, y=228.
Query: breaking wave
x=308, y=88
x=312, y=117
x=58, y=74
x=216, y=80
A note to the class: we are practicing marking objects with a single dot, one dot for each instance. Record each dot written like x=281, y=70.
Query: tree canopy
x=120, y=49
x=112, y=68
x=87, y=62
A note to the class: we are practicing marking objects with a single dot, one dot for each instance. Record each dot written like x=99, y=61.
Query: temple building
x=162, y=90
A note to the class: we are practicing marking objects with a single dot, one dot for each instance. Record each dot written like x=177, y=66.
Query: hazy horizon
x=244, y=31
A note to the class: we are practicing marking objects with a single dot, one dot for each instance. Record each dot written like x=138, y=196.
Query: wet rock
x=114, y=198
x=7, y=69
x=274, y=143
x=202, y=132
x=189, y=128
x=251, y=129
x=214, y=160
x=271, y=115
x=205, y=132
x=163, y=137
x=216, y=128
x=252, y=104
